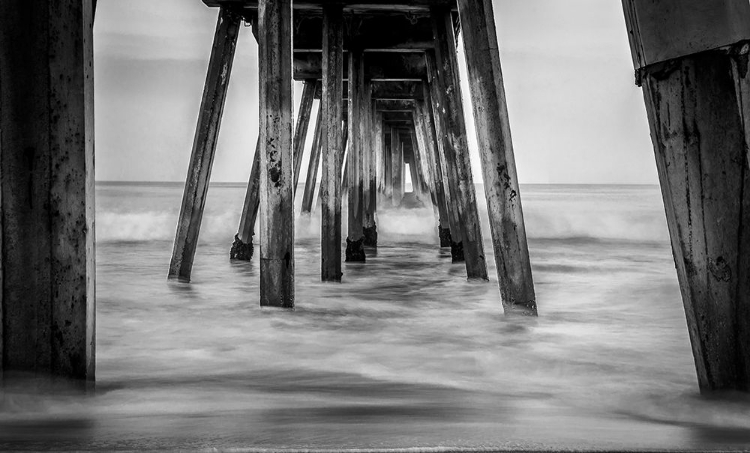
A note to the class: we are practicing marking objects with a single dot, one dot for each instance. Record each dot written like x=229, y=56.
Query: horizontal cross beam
x=379, y=66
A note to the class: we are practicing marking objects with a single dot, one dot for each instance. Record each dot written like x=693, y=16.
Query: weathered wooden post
x=276, y=157
x=47, y=309
x=445, y=159
x=397, y=167
x=242, y=247
x=690, y=57
x=455, y=138
x=423, y=118
x=498, y=162
x=204, y=145
x=357, y=132
x=303, y=122
x=331, y=142
x=370, y=227
x=312, y=169
x=388, y=161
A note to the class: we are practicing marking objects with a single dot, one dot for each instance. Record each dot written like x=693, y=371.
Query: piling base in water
x=371, y=236
x=240, y=250
x=457, y=252
x=445, y=236
x=355, y=250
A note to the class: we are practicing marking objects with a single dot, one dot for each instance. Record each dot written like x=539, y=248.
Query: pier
x=386, y=76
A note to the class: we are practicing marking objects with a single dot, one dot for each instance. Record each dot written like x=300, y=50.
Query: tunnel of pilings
x=386, y=75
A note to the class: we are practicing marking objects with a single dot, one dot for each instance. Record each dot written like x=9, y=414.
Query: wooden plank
x=393, y=90
x=300, y=129
x=379, y=66
x=331, y=142
x=312, y=168
x=242, y=248
x=498, y=162
x=357, y=6
x=455, y=139
x=48, y=296
x=668, y=29
x=204, y=145
x=276, y=225
x=700, y=142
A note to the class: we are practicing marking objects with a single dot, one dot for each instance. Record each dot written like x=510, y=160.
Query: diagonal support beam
x=204, y=145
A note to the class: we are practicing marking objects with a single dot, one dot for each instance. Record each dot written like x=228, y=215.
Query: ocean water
x=403, y=353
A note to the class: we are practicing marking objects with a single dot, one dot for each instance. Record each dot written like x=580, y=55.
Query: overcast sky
x=576, y=115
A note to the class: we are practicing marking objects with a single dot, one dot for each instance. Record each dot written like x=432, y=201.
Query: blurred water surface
x=403, y=353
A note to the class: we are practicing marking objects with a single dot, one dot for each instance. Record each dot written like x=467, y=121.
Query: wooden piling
x=204, y=145
x=455, y=138
x=331, y=142
x=379, y=147
x=47, y=309
x=357, y=131
x=425, y=129
x=498, y=162
x=371, y=156
x=691, y=57
x=242, y=248
x=300, y=129
x=445, y=158
x=312, y=168
x=388, y=160
x=397, y=167
x=276, y=224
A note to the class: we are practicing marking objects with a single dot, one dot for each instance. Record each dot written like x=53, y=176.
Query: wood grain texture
x=371, y=160
x=311, y=181
x=331, y=142
x=496, y=153
x=357, y=134
x=300, y=129
x=427, y=130
x=397, y=167
x=445, y=160
x=276, y=224
x=204, y=145
x=252, y=200
x=47, y=185
x=455, y=139
x=701, y=154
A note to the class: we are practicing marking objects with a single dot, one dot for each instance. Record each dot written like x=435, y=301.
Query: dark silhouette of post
x=331, y=142
x=47, y=309
x=498, y=162
x=691, y=57
x=276, y=157
x=204, y=145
